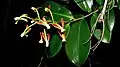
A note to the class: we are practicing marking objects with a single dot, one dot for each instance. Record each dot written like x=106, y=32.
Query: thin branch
x=98, y=43
x=101, y=19
x=84, y=16
x=90, y=65
x=93, y=29
x=40, y=62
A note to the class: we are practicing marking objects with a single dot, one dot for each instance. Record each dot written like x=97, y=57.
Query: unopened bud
x=63, y=40
x=41, y=41
x=22, y=34
x=62, y=30
x=46, y=9
x=48, y=26
x=32, y=21
x=33, y=8
x=47, y=44
x=16, y=18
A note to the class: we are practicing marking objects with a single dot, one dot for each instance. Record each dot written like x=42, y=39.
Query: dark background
x=26, y=52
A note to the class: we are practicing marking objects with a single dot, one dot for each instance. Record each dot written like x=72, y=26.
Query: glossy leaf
x=118, y=3
x=76, y=51
x=60, y=12
x=67, y=30
x=111, y=4
x=85, y=5
x=97, y=33
x=110, y=19
x=100, y=1
x=106, y=37
x=55, y=45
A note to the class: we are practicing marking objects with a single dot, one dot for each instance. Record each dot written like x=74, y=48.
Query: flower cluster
x=44, y=37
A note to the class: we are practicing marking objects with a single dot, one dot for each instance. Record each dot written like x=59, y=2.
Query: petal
x=62, y=22
x=41, y=41
x=48, y=37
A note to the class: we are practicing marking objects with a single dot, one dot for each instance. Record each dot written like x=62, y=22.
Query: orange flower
x=26, y=31
x=45, y=37
x=44, y=22
x=60, y=27
x=62, y=35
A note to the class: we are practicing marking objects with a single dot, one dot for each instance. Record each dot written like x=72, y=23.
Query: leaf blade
x=85, y=5
x=110, y=19
x=100, y=2
x=55, y=45
x=98, y=32
x=60, y=12
x=76, y=51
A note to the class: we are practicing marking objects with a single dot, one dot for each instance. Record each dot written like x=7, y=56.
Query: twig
x=101, y=19
x=40, y=62
x=84, y=16
x=98, y=43
x=93, y=29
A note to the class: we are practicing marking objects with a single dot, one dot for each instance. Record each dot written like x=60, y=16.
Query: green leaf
x=93, y=19
x=100, y=1
x=85, y=5
x=76, y=51
x=110, y=19
x=55, y=45
x=111, y=4
x=97, y=33
x=118, y=3
x=60, y=12
x=106, y=37
x=67, y=29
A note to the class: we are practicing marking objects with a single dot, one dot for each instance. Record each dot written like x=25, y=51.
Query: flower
x=26, y=31
x=33, y=8
x=47, y=9
x=60, y=27
x=22, y=17
x=62, y=35
x=44, y=23
x=45, y=37
x=32, y=21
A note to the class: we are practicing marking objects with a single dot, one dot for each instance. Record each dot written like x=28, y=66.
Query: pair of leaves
x=85, y=5
x=76, y=51
x=109, y=24
x=77, y=34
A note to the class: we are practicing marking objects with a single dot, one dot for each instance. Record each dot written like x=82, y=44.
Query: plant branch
x=40, y=62
x=84, y=16
x=99, y=18
x=98, y=43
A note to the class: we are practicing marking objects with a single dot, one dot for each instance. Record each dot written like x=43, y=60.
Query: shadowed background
x=26, y=52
